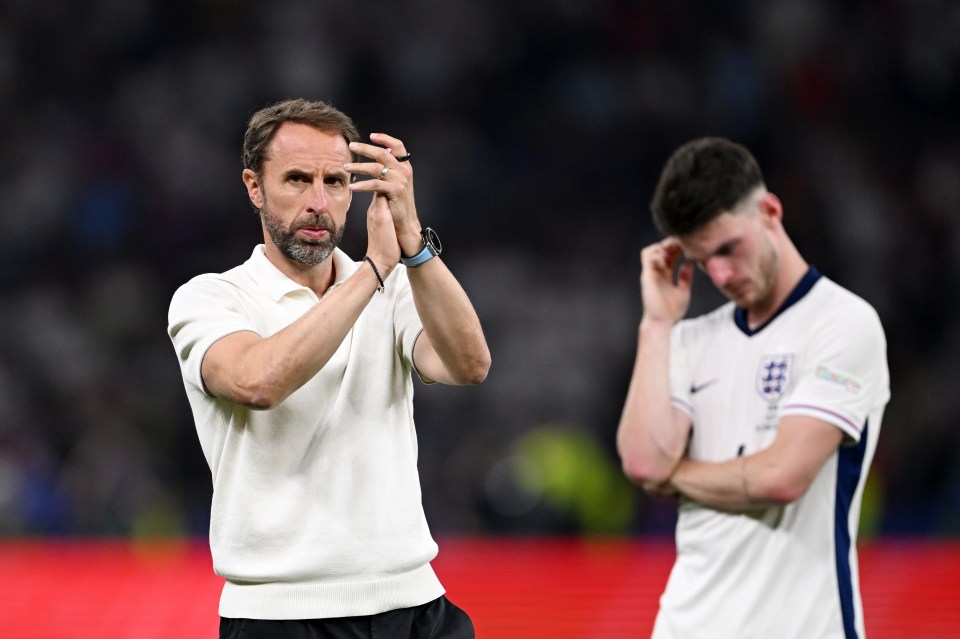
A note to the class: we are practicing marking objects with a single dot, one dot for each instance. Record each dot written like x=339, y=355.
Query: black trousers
x=438, y=619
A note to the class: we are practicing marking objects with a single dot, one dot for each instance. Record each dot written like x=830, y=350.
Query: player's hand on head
x=665, y=281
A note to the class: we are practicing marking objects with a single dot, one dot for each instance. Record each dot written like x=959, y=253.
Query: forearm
x=777, y=475
x=451, y=325
x=650, y=439
x=724, y=486
x=741, y=484
x=266, y=371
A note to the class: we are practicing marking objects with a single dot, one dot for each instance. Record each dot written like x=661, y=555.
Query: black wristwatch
x=431, y=248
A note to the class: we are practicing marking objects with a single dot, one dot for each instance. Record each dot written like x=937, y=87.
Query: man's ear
x=771, y=209
x=252, y=182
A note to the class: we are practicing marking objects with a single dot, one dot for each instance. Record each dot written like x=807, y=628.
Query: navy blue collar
x=802, y=288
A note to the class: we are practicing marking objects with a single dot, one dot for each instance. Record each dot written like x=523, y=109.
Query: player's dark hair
x=702, y=179
x=264, y=123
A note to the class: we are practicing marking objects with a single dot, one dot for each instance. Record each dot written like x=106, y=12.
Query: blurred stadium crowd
x=538, y=130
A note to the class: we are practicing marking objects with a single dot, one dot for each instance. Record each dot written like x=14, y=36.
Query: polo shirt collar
x=278, y=285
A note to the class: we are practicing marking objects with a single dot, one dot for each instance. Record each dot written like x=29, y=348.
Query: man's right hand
x=665, y=299
x=653, y=434
x=382, y=245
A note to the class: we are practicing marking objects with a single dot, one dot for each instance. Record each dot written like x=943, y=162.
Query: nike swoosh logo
x=696, y=388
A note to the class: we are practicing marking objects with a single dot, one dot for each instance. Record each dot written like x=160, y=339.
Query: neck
x=790, y=270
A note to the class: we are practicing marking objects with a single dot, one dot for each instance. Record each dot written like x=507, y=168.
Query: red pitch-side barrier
x=527, y=588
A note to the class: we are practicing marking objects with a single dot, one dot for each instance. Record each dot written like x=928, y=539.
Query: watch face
x=431, y=239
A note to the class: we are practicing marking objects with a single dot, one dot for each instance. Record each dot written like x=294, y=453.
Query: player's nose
x=719, y=271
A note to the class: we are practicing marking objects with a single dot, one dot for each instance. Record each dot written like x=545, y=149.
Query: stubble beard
x=305, y=252
x=767, y=267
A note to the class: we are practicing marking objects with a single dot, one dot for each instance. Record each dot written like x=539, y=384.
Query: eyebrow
x=727, y=246
x=338, y=172
x=724, y=249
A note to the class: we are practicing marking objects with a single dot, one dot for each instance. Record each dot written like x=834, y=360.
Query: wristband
x=366, y=258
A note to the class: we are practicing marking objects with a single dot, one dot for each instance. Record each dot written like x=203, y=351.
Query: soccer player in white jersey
x=762, y=416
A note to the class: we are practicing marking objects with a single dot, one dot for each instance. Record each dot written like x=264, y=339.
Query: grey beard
x=307, y=253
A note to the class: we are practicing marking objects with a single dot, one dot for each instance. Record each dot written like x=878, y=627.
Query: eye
x=727, y=250
x=334, y=180
x=298, y=178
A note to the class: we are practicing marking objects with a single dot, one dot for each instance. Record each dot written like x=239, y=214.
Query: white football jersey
x=788, y=571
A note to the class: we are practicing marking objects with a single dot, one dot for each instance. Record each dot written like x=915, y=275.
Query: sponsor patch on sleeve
x=827, y=374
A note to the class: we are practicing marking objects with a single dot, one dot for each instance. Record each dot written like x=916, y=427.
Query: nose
x=719, y=271
x=317, y=199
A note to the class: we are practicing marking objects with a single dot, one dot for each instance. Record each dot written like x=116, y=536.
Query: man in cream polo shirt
x=298, y=367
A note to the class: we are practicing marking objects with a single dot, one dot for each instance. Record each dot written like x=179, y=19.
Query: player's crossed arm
x=777, y=475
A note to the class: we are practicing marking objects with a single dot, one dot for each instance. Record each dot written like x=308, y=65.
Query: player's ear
x=771, y=209
x=252, y=181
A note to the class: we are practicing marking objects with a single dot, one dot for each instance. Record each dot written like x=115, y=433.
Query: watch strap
x=427, y=253
x=431, y=249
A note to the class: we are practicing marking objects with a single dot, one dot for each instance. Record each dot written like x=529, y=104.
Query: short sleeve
x=406, y=320
x=202, y=311
x=842, y=376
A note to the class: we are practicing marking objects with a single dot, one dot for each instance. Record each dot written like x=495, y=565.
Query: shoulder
x=212, y=286
x=834, y=306
x=844, y=335
x=235, y=278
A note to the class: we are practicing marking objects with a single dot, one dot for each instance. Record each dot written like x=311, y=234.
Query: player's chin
x=736, y=295
x=743, y=300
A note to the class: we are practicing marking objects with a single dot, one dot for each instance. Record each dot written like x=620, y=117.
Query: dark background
x=538, y=129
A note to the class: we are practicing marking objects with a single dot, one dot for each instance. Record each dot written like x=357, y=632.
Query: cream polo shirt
x=316, y=506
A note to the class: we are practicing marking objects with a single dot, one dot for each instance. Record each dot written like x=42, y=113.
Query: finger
x=651, y=258
x=655, y=257
x=685, y=275
x=378, y=153
x=370, y=169
x=672, y=254
x=378, y=207
x=394, y=145
x=671, y=247
x=381, y=186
